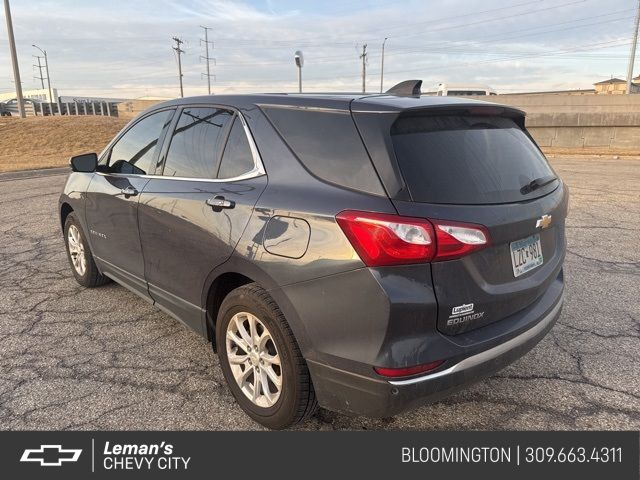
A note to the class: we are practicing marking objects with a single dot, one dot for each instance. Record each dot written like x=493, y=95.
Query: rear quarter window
x=328, y=145
x=467, y=159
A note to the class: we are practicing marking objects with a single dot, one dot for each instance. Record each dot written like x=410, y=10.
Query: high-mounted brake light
x=383, y=239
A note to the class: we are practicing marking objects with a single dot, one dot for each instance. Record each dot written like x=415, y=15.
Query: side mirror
x=87, y=162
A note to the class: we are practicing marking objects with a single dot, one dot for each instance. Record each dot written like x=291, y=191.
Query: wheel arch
x=65, y=210
x=238, y=271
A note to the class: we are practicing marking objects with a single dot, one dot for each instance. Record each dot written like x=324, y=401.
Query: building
x=40, y=95
x=617, y=86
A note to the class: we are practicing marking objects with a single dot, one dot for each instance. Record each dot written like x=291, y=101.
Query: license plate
x=526, y=254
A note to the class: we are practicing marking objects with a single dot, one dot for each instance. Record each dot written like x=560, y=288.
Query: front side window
x=237, y=158
x=196, y=143
x=133, y=153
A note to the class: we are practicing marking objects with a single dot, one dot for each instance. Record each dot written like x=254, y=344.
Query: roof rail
x=408, y=88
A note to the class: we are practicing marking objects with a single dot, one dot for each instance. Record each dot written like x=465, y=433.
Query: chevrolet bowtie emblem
x=50, y=455
x=544, y=221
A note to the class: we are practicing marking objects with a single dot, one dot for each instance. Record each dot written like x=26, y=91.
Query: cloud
x=123, y=48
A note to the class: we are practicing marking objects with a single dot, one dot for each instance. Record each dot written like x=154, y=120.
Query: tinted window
x=196, y=143
x=237, y=158
x=467, y=160
x=329, y=145
x=134, y=152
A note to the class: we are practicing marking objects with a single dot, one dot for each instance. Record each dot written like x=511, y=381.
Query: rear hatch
x=480, y=166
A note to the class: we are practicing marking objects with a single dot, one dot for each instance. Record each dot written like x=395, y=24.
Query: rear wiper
x=537, y=183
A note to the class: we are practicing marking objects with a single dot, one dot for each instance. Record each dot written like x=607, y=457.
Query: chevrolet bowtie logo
x=544, y=221
x=50, y=455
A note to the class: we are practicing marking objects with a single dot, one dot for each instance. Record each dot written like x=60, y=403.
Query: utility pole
x=632, y=55
x=382, y=66
x=179, y=51
x=206, y=55
x=40, y=67
x=364, y=67
x=14, y=59
x=46, y=65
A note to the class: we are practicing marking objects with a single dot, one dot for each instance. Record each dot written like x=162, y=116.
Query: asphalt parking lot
x=73, y=358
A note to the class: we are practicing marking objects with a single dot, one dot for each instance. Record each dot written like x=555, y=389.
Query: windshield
x=468, y=160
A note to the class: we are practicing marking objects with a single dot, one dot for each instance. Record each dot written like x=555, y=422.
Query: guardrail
x=99, y=108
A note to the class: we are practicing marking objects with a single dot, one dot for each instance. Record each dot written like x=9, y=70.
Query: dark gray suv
x=364, y=253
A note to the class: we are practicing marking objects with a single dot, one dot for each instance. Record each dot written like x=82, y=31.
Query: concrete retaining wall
x=591, y=123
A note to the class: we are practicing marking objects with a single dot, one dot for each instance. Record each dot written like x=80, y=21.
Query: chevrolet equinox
x=363, y=253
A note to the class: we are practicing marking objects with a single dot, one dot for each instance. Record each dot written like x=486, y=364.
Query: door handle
x=219, y=202
x=129, y=191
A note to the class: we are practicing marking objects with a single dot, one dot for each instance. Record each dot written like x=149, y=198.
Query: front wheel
x=261, y=360
x=81, y=260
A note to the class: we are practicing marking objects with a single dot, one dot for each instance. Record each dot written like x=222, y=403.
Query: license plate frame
x=526, y=254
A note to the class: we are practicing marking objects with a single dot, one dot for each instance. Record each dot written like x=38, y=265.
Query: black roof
x=339, y=101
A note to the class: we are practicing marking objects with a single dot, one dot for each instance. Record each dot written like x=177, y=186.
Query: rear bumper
x=352, y=393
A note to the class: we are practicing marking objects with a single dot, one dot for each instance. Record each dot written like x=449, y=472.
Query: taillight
x=383, y=239
x=407, y=371
x=456, y=240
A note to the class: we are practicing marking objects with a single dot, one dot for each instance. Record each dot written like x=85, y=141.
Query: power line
x=206, y=57
x=404, y=26
x=310, y=41
x=501, y=36
x=491, y=20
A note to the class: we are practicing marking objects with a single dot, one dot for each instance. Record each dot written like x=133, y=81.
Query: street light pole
x=46, y=65
x=14, y=59
x=632, y=55
x=382, y=66
x=299, y=58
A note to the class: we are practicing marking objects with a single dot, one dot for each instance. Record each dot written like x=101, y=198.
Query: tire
x=85, y=272
x=296, y=400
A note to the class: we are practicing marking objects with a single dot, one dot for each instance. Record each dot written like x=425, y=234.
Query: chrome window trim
x=304, y=107
x=375, y=111
x=491, y=353
x=257, y=171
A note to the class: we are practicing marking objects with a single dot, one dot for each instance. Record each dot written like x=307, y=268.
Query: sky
x=123, y=49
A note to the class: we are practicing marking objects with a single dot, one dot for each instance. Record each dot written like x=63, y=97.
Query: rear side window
x=467, y=159
x=328, y=145
x=237, y=158
x=196, y=143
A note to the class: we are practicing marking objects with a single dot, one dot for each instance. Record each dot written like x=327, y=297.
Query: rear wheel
x=261, y=360
x=79, y=254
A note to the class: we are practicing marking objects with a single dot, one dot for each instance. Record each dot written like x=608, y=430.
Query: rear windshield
x=468, y=160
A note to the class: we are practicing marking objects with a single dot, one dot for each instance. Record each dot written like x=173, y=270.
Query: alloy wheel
x=76, y=250
x=254, y=359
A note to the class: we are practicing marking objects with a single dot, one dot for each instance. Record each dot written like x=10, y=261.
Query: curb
x=43, y=172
